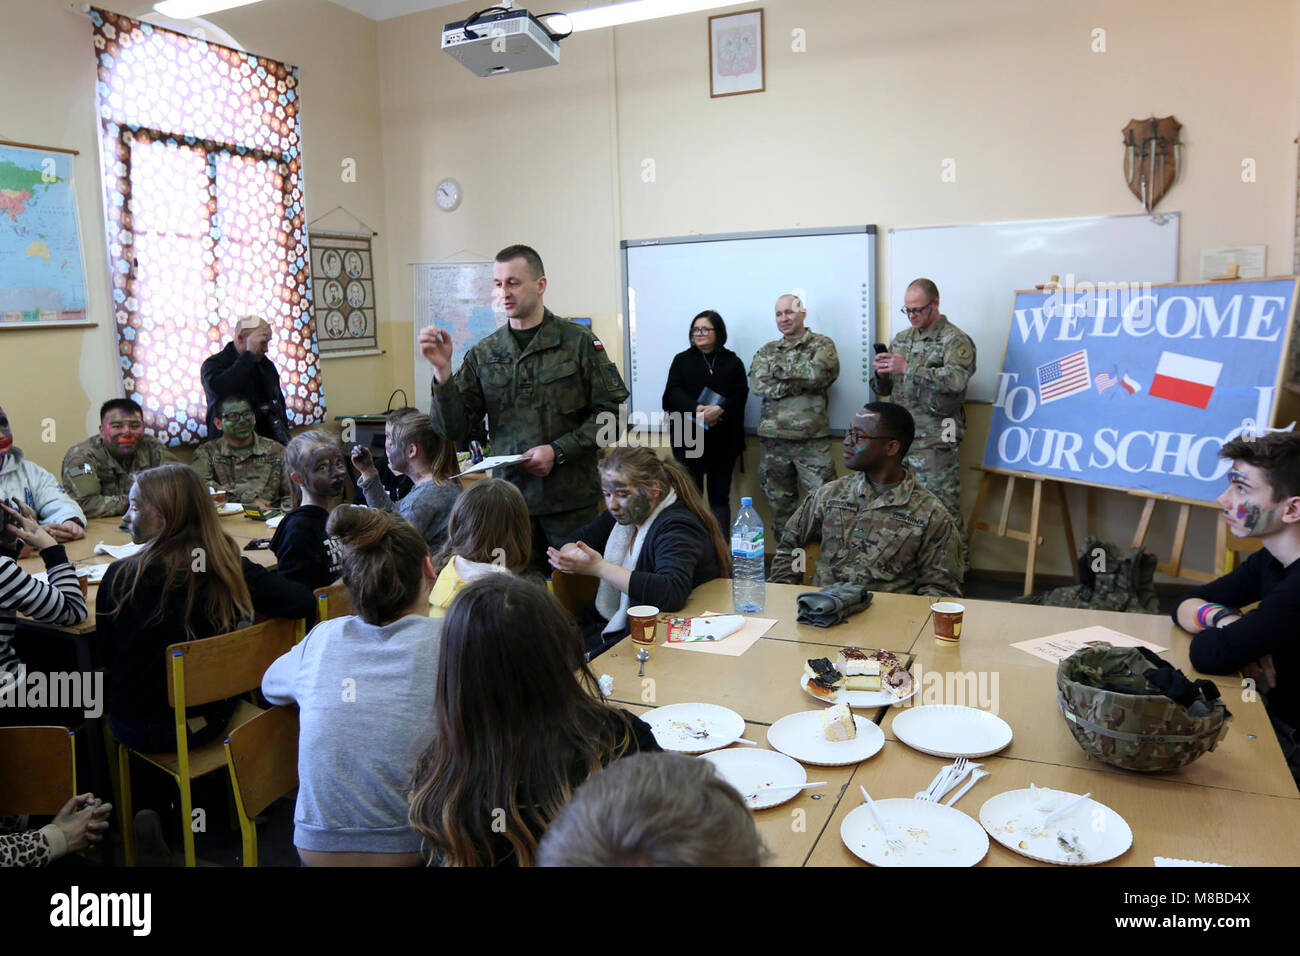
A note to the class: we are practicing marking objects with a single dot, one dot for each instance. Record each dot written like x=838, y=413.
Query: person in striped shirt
x=58, y=601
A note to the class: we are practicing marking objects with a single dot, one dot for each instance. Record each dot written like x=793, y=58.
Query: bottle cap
x=746, y=502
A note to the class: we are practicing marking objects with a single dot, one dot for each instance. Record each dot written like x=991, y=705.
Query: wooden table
x=1247, y=759
x=1218, y=809
x=109, y=531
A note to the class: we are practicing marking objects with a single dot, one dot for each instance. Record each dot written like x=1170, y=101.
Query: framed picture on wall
x=343, y=293
x=736, y=53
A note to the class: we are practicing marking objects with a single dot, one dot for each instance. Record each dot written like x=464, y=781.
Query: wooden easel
x=1001, y=529
x=1225, y=546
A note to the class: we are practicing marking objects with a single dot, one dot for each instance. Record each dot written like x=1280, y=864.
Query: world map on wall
x=41, y=275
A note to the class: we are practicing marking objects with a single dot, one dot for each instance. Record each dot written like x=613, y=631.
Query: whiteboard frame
x=1164, y=220
x=866, y=229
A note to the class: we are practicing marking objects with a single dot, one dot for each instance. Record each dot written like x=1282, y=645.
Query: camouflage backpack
x=1111, y=579
x=1122, y=710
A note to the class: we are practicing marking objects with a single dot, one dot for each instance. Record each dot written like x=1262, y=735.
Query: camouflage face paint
x=1252, y=517
x=627, y=503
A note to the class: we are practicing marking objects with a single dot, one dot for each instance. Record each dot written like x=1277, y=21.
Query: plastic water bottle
x=748, y=588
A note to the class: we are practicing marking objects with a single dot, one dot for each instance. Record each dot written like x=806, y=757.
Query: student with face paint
x=416, y=450
x=100, y=469
x=306, y=552
x=38, y=489
x=158, y=597
x=878, y=527
x=249, y=467
x=656, y=542
x=1262, y=501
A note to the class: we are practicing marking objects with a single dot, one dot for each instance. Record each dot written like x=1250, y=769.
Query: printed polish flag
x=1130, y=385
x=1185, y=379
x=1064, y=377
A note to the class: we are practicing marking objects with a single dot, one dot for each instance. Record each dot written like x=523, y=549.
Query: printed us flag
x=1065, y=377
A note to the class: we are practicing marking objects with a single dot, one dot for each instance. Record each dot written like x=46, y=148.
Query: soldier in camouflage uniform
x=926, y=370
x=97, y=472
x=548, y=389
x=241, y=462
x=793, y=374
x=878, y=528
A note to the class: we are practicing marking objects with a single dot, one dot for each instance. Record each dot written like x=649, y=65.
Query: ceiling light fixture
x=634, y=11
x=189, y=9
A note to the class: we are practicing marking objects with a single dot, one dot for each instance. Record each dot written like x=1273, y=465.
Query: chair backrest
x=263, y=757
x=573, y=591
x=38, y=770
x=1234, y=546
x=227, y=665
x=334, y=601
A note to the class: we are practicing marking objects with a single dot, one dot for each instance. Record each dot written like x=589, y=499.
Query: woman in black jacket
x=655, y=544
x=709, y=367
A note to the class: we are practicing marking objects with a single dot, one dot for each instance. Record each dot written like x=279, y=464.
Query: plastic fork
x=944, y=781
x=750, y=797
x=894, y=844
x=975, y=777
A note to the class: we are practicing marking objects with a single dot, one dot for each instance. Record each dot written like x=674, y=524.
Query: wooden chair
x=334, y=601
x=201, y=672
x=38, y=769
x=262, y=755
x=573, y=591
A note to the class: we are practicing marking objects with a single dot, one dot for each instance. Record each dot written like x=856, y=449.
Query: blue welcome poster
x=1137, y=386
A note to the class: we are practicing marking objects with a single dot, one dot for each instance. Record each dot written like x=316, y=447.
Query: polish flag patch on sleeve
x=1185, y=379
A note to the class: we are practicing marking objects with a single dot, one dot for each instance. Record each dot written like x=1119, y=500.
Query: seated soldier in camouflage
x=99, y=471
x=878, y=528
x=249, y=467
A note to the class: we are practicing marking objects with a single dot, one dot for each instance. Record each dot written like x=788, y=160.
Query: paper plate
x=1090, y=833
x=801, y=737
x=749, y=768
x=230, y=508
x=274, y=523
x=673, y=726
x=860, y=698
x=946, y=730
x=932, y=835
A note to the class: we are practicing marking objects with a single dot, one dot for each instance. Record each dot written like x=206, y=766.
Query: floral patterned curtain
x=205, y=218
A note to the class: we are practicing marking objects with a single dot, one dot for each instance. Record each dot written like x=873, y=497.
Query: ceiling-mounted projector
x=497, y=40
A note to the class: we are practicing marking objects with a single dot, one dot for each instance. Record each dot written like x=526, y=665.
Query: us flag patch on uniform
x=599, y=346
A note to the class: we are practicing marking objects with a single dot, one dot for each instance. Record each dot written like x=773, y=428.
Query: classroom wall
x=855, y=129
x=64, y=374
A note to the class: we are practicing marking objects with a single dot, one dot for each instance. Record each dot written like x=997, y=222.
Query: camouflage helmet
x=1140, y=731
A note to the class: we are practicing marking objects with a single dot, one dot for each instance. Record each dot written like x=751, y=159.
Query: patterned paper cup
x=641, y=620
x=947, y=621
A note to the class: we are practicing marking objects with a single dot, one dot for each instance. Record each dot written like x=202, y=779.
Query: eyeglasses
x=238, y=417
x=702, y=330
x=912, y=313
x=856, y=436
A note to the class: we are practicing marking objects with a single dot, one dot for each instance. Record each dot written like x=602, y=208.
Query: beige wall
x=853, y=130
x=64, y=374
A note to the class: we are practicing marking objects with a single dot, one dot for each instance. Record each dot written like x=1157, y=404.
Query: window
x=205, y=221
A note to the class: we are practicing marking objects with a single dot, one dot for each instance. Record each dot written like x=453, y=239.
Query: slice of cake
x=898, y=681
x=837, y=723
x=862, y=682
x=854, y=661
x=824, y=681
